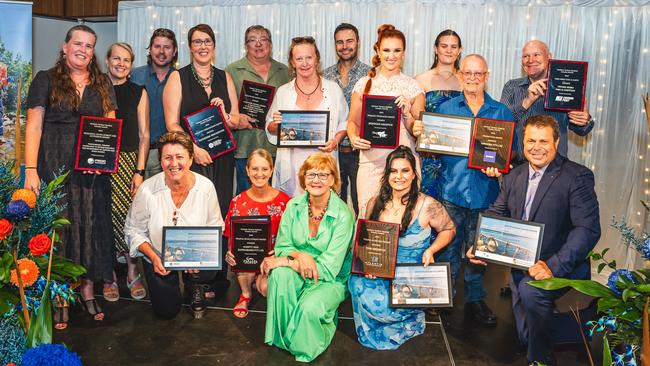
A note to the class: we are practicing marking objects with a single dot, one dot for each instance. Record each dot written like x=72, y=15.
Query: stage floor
x=131, y=335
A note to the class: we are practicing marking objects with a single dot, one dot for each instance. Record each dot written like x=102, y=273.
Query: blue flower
x=50, y=355
x=645, y=248
x=611, y=281
x=17, y=210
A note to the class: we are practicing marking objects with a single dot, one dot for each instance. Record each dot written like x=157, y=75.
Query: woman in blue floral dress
x=378, y=326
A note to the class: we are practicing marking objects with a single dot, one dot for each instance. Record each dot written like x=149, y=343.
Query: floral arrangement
x=50, y=355
x=32, y=274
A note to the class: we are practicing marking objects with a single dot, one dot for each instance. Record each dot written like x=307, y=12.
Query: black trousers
x=165, y=293
x=349, y=165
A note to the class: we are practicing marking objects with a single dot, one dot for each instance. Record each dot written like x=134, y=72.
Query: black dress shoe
x=198, y=301
x=481, y=313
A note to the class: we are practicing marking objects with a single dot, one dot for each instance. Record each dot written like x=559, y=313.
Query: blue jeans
x=465, y=220
x=242, y=178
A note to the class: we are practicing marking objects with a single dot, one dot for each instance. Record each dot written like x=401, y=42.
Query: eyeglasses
x=175, y=218
x=476, y=74
x=307, y=39
x=321, y=176
x=258, y=40
x=199, y=42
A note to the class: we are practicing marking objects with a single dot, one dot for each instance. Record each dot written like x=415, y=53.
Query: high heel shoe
x=92, y=308
x=60, y=315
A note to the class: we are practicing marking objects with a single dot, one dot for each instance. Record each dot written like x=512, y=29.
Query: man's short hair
x=260, y=28
x=347, y=26
x=541, y=121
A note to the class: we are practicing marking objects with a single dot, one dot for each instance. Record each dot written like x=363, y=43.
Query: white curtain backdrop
x=612, y=35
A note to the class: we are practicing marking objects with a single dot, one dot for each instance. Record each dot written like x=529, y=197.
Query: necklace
x=396, y=211
x=308, y=95
x=311, y=213
x=204, y=82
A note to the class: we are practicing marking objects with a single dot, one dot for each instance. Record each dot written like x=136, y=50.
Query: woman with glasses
x=192, y=88
x=440, y=84
x=311, y=266
x=174, y=197
x=399, y=201
x=385, y=78
x=308, y=91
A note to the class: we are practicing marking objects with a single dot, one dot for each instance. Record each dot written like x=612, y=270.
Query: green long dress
x=302, y=315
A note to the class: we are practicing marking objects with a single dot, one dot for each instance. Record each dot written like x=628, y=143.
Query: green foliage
x=17, y=68
x=40, y=330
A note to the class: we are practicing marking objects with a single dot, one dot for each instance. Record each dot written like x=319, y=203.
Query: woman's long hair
x=447, y=32
x=64, y=93
x=386, y=191
x=384, y=31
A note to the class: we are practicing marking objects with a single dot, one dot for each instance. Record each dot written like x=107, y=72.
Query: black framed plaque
x=98, y=144
x=250, y=241
x=445, y=134
x=417, y=286
x=192, y=247
x=303, y=128
x=567, y=82
x=380, y=121
x=491, y=144
x=255, y=100
x=375, y=248
x=506, y=241
x=209, y=131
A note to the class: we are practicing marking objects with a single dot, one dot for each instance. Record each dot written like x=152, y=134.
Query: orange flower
x=5, y=228
x=39, y=245
x=28, y=272
x=26, y=195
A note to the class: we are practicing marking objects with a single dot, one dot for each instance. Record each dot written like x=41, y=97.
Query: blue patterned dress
x=431, y=165
x=378, y=325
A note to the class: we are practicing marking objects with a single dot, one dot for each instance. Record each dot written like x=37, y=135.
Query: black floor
x=130, y=335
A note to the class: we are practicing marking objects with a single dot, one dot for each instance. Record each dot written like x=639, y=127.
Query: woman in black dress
x=133, y=110
x=195, y=87
x=57, y=98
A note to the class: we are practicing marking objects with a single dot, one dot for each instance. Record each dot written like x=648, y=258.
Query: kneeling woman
x=379, y=326
x=174, y=197
x=311, y=266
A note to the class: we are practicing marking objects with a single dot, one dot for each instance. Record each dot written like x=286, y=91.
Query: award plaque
x=491, y=144
x=506, y=241
x=567, y=81
x=417, y=286
x=303, y=128
x=380, y=121
x=375, y=248
x=443, y=134
x=98, y=144
x=192, y=247
x=255, y=100
x=250, y=241
x=209, y=131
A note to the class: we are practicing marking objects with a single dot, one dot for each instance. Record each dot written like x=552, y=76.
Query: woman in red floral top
x=259, y=200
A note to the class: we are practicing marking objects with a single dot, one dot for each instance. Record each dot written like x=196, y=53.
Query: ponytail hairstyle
x=444, y=33
x=384, y=31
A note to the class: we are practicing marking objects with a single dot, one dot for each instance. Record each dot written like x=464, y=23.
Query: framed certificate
x=567, y=82
x=375, y=248
x=444, y=134
x=255, y=100
x=304, y=128
x=192, y=247
x=98, y=144
x=491, y=144
x=209, y=131
x=380, y=121
x=506, y=241
x=417, y=286
x=250, y=241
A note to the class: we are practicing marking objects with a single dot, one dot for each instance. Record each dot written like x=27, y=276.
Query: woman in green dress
x=311, y=266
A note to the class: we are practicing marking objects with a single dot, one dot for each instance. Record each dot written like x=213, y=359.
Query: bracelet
x=30, y=167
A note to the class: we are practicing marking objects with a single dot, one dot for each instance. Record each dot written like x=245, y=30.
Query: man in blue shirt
x=465, y=192
x=161, y=61
x=525, y=96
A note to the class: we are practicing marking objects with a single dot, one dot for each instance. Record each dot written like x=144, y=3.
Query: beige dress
x=372, y=161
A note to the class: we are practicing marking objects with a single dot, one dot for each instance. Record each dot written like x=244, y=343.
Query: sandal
x=241, y=312
x=60, y=316
x=138, y=292
x=92, y=308
x=111, y=291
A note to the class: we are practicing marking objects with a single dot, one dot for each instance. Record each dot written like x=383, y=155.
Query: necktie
x=533, y=183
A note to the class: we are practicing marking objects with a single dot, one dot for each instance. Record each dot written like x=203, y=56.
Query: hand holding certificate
x=567, y=82
x=303, y=128
x=191, y=247
x=491, y=144
x=375, y=248
x=209, y=131
x=98, y=144
x=380, y=121
x=255, y=100
x=444, y=134
x=250, y=241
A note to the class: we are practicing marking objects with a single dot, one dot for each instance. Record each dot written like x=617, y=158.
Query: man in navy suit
x=559, y=193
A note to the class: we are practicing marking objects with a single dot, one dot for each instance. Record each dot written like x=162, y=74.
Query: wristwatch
x=139, y=171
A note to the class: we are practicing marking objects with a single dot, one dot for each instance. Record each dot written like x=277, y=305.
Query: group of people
x=164, y=179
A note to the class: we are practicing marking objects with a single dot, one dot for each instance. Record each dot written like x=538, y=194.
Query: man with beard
x=525, y=96
x=161, y=61
x=346, y=72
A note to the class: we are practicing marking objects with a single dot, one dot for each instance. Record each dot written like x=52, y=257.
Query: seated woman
x=379, y=326
x=174, y=197
x=311, y=266
x=259, y=200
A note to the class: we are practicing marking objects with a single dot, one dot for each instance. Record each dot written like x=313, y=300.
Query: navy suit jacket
x=566, y=203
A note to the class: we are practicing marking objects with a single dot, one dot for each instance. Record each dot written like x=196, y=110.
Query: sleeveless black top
x=194, y=96
x=128, y=97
